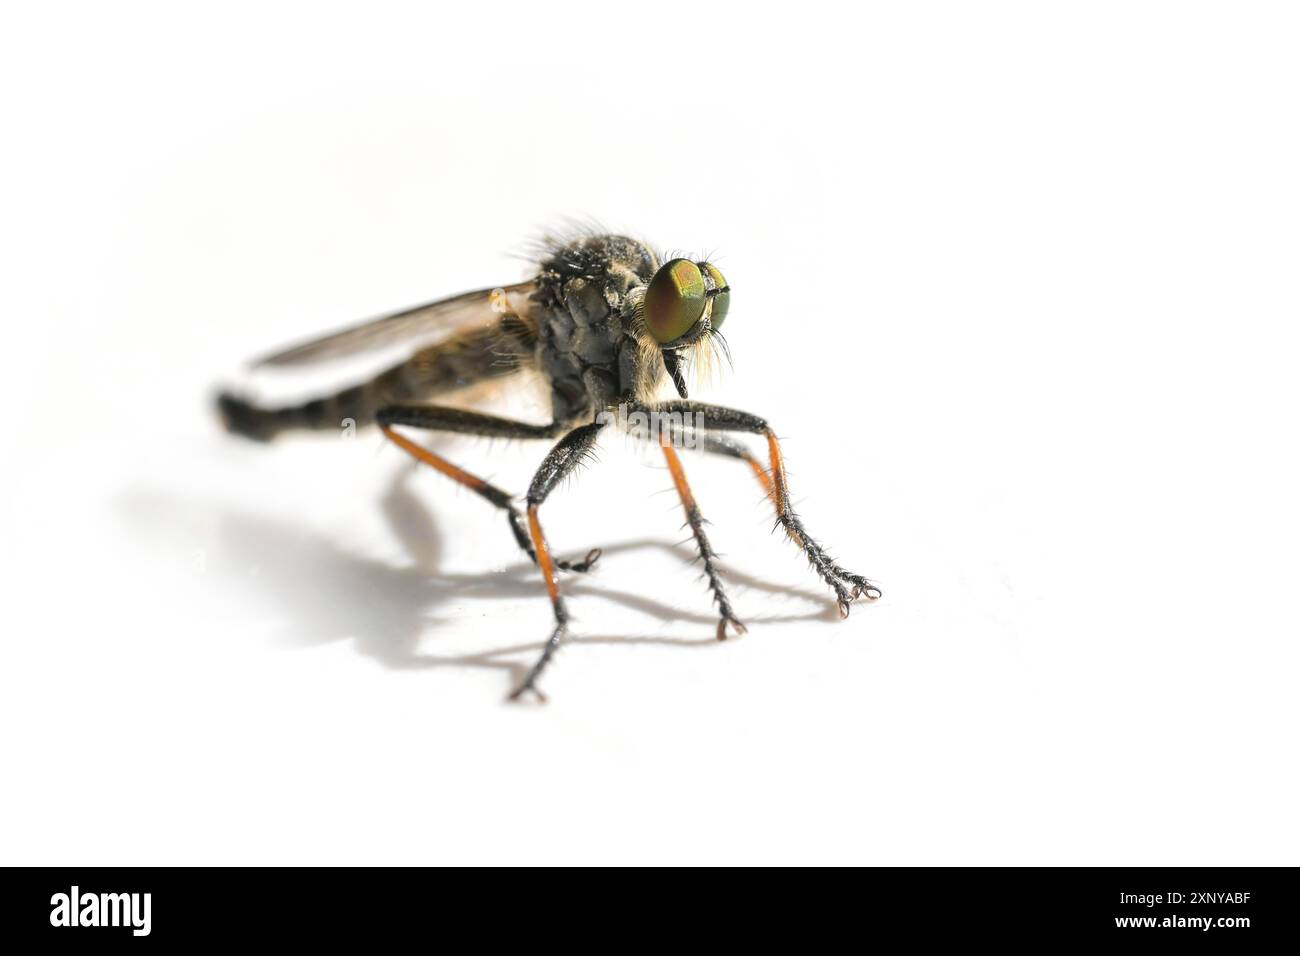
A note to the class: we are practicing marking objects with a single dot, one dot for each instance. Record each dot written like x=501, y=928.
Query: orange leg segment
x=696, y=520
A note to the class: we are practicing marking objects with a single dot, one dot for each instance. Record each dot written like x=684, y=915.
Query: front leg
x=696, y=522
x=705, y=418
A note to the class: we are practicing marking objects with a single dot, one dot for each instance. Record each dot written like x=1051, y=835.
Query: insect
x=609, y=327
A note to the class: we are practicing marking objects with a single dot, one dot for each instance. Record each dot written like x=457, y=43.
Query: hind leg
x=440, y=418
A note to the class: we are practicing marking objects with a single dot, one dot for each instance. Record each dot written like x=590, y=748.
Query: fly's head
x=684, y=306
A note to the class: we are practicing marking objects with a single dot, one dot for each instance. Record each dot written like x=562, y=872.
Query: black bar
x=1223, y=907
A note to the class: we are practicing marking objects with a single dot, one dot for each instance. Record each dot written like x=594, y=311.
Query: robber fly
x=608, y=325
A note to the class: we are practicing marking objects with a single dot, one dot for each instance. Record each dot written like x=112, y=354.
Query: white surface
x=1018, y=284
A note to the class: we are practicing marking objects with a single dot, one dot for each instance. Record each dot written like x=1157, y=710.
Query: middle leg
x=571, y=450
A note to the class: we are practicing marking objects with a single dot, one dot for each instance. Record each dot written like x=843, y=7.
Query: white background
x=1016, y=281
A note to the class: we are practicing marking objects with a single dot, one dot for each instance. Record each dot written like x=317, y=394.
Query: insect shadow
x=328, y=592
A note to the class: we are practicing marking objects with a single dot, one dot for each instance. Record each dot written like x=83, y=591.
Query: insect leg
x=696, y=521
x=722, y=445
x=441, y=418
x=559, y=462
x=846, y=585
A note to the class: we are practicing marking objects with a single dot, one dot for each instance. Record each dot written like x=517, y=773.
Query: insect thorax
x=586, y=344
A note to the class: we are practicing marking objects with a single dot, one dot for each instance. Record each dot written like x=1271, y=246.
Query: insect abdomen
x=457, y=363
x=263, y=424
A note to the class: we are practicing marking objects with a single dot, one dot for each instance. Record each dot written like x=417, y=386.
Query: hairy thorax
x=588, y=341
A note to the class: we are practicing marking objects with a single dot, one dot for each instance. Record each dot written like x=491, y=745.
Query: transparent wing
x=416, y=327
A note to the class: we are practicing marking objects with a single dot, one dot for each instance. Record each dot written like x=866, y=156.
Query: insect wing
x=415, y=327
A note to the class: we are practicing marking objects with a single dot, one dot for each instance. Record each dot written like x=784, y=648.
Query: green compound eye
x=722, y=301
x=674, y=300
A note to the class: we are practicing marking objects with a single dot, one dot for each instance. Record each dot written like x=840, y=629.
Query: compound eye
x=674, y=300
x=721, y=301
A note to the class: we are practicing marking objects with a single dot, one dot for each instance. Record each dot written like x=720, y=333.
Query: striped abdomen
x=460, y=361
